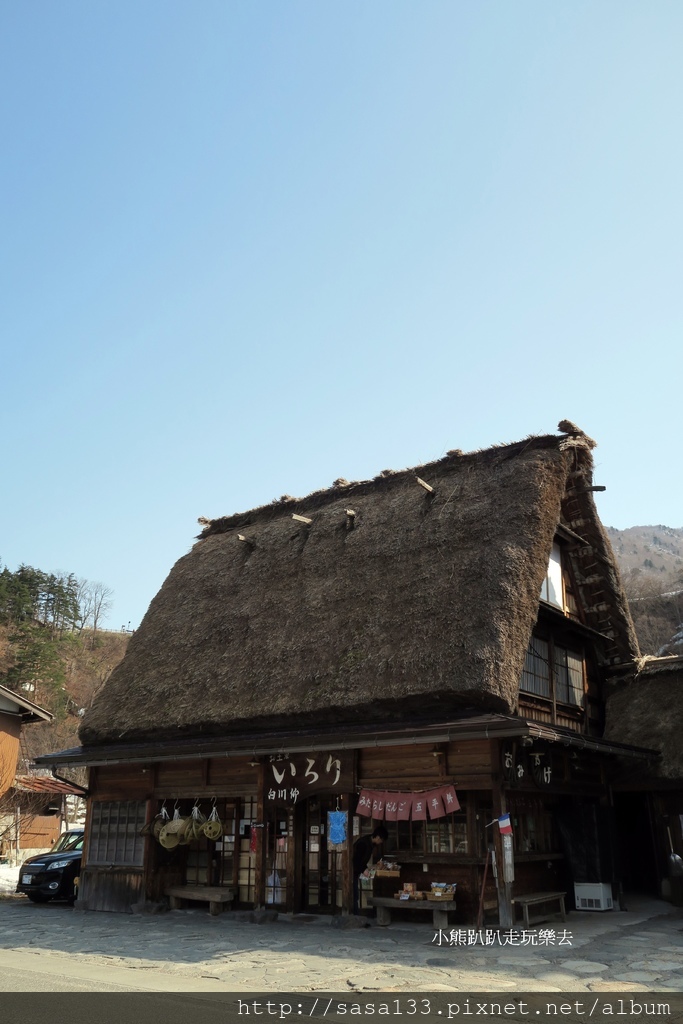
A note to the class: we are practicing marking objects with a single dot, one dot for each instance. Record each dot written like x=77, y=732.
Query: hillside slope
x=654, y=549
x=63, y=674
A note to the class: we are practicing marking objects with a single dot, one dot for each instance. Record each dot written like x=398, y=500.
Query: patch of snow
x=9, y=876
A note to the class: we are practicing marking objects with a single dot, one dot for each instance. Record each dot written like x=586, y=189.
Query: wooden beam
x=301, y=519
x=260, y=867
x=423, y=483
x=506, y=915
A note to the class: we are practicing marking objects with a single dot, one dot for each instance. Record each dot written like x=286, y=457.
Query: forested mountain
x=53, y=650
x=651, y=549
x=651, y=563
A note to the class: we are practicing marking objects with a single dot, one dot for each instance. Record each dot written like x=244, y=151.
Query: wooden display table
x=216, y=896
x=385, y=904
x=535, y=898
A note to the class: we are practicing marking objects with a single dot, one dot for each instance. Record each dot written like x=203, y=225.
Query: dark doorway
x=635, y=843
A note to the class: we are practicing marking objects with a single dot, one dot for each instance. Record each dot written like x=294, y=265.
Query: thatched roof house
x=647, y=711
x=416, y=590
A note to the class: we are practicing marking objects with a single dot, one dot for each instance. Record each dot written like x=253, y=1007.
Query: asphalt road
x=40, y=972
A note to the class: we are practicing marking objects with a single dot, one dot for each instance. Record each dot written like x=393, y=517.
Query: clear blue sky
x=247, y=248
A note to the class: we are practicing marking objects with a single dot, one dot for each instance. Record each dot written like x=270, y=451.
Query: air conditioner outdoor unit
x=593, y=896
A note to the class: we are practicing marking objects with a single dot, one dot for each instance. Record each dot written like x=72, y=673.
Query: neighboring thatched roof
x=381, y=596
x=648, y=712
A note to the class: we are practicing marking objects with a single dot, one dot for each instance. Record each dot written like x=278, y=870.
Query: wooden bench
x=216, y=896
x=385, y=904
x=533, y=899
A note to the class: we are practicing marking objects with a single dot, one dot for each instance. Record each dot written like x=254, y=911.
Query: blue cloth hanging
x=337, y=826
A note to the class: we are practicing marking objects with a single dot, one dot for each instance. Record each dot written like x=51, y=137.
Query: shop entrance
x=321, y=867
x=303, y=874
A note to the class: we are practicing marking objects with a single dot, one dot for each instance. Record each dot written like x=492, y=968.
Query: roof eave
x=259, y=745
x=29, y=712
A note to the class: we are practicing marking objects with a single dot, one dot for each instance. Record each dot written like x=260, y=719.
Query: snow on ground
x=8, y=878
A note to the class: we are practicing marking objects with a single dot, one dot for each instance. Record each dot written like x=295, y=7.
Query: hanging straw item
x=213, y=829
x=169, y=837
x=197, y=820
x=170, y=834
x=159, y=822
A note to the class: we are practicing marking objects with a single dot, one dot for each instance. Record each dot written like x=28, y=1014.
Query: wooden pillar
x=260, y=867
x=468, y=801
x=291, y=905
x=506, y=918
x=348, y=802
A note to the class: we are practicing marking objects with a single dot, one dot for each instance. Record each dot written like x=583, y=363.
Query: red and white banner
x=364, y=808
x=378, y=802
x=380, y=806
x=405, y=802
x=418, y=811
x=450, y=799
x=435, y=804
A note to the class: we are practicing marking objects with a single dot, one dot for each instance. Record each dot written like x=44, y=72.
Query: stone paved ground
x=640, y=950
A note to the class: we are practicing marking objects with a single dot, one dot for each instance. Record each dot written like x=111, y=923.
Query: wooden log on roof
x=423, y=483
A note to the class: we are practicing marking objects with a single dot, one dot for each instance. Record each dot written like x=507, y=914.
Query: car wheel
x=37, y=897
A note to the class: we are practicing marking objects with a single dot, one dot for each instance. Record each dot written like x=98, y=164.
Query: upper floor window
x=551, y=670
x=568, y=676
x=552, y=590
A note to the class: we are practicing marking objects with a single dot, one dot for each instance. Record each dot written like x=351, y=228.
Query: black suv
x=50, y=876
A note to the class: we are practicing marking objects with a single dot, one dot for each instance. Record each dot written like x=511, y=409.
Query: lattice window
x=442, y=835
x=549, y=669
x=568, y=672
x=247, y=859
x=115, y=832
x=536, y=672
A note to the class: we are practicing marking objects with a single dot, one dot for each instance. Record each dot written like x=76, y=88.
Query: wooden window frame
x=122, y=847
x=552, y=696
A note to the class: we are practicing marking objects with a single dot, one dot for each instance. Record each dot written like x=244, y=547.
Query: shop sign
x=521, y=765
x=541, y=768
x=514, y=767
x=292, y=779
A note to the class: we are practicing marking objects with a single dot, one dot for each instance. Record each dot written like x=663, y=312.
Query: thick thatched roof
x=647, y=711
x=383, y=596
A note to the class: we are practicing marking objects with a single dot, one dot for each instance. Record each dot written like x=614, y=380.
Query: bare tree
x=95, y=601
x=101, y=603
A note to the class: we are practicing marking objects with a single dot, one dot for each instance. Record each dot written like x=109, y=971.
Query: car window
x=69, y=841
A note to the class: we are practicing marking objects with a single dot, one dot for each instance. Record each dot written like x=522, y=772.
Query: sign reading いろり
x=292, y=779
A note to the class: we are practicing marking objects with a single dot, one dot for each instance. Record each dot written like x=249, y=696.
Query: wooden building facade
x=15, y=711
x=380, y=650
x=647, y=709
